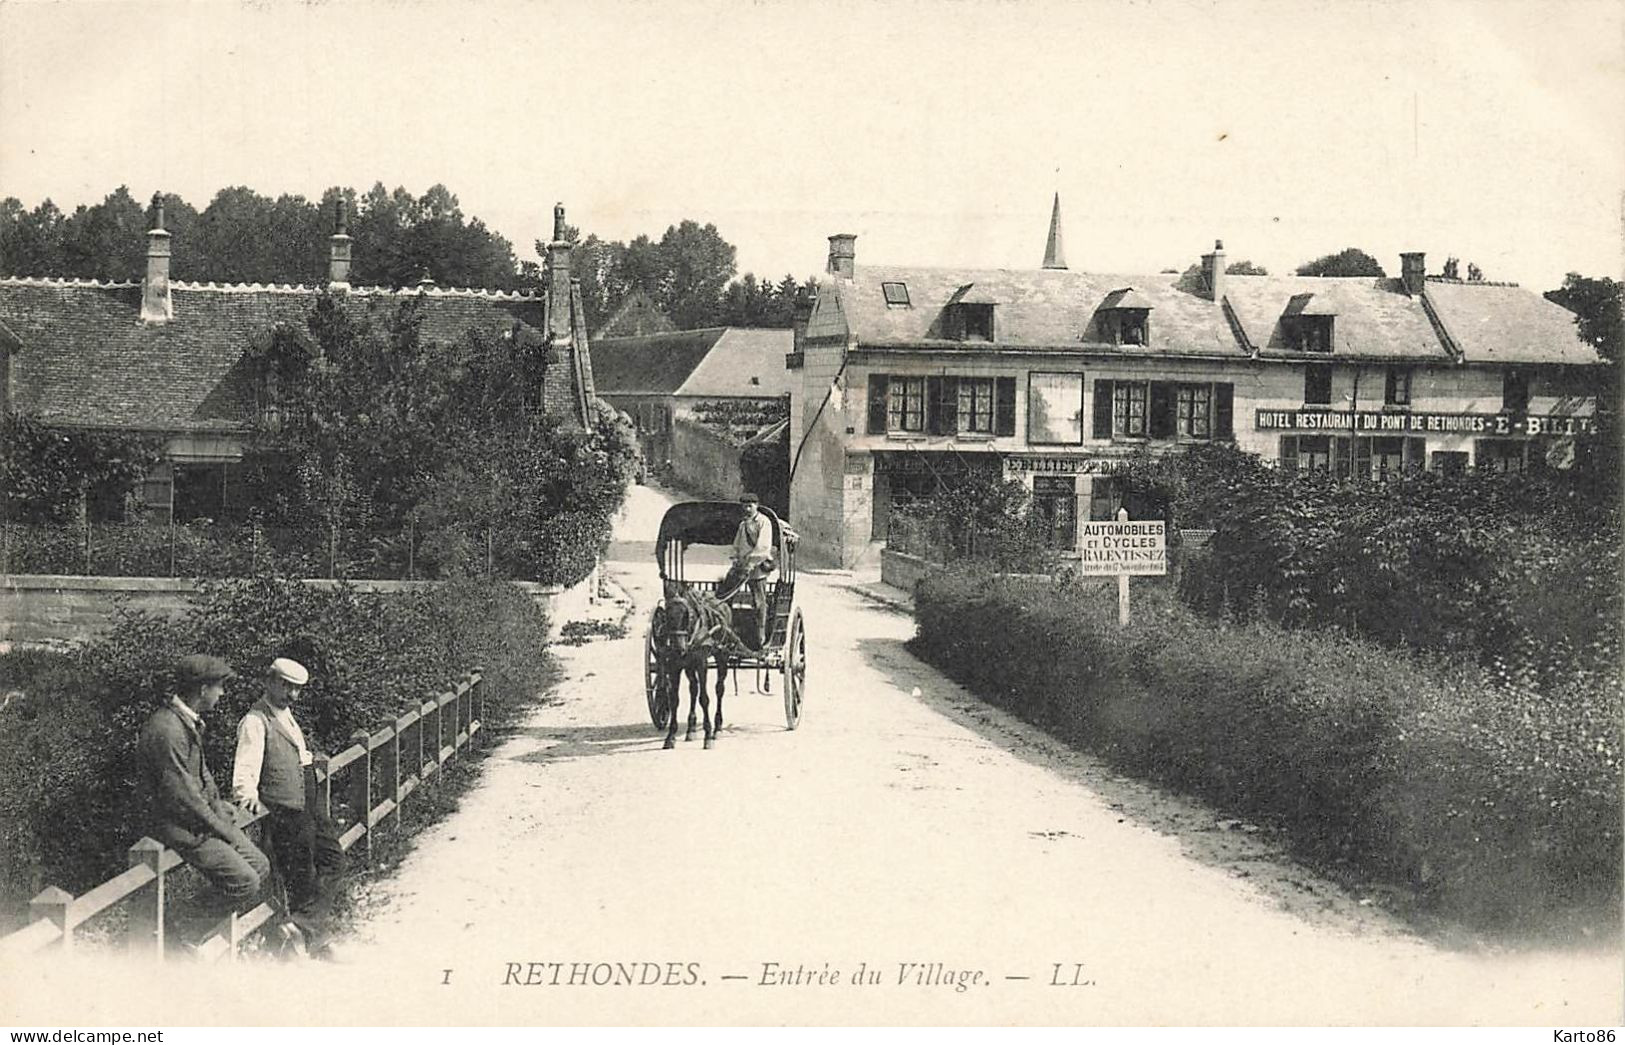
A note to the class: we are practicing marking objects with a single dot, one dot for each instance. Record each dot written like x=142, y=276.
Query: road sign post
x=1122, y=549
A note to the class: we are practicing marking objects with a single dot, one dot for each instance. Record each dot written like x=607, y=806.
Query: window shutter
x=1289, y=452
x=1162, y=410
x=1362, y=458
x=1224, y=411
x=1004, y=406
x=1389, y=389
x=877, y=404
x=942, y=405
x=1103, y=409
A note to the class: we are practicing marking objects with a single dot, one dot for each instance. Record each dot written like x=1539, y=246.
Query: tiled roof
x=1503, y=323
x=746, y=361
x=1036, y=309
x=715, y=361
x=1374, y=317
x=655, y=364
x=86, y=358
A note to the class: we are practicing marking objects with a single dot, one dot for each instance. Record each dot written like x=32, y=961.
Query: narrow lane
x=957, y=855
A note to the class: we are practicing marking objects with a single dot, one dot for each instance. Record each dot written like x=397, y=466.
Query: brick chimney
x=338, y=248
x=156, y=304
x=1213, y=271
x=558, y=280
x=843, y=255
x=1413, y=269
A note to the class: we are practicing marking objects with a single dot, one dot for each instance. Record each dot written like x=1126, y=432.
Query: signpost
x=1123, y=549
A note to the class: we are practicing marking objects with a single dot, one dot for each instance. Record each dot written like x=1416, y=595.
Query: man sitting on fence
x=269, y=777
x=188, y=814
x=752, y=562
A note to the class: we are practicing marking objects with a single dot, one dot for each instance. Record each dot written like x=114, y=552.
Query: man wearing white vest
x=269, y=777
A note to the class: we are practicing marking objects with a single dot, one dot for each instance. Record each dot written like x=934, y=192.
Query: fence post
x=420, y=725
x=439, y=737
x=411, y=547
x=479, y=698
x=361, y=790
x=324, y=784
x=393, y=754
x=146, y=932
x=52, y=905
x=172, y=543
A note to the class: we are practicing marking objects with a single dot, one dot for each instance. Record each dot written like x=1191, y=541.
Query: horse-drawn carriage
x=779, y=647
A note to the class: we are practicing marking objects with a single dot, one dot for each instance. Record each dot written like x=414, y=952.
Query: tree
x=107, y=240
x=1597, y=305
x=1246, y=268
x=1599, y=319
x=1351, y=261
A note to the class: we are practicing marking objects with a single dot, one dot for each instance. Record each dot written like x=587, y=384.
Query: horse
x=697, y=630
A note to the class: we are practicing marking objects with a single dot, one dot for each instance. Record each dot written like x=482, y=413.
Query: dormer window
x=1124, y=318
x=1133, y=325
x=969, y=315
x=971, y=322
x=1306, y=325
x=896, y=294
x=1313, y=334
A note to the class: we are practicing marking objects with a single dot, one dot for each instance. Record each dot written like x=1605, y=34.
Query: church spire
x=1054, y=253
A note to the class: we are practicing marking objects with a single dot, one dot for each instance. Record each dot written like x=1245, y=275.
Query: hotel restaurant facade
x=906, y=377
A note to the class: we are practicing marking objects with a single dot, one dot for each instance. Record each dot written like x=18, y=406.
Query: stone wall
x=705, y=461
x=50, y=610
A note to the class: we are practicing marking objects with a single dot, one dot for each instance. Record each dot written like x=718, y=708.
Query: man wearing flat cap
x=268, y=777
x=187, y=813
x=752, y=557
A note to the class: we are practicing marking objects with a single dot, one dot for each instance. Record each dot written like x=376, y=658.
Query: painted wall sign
x=1442, y=424
x=1123, y=548
x=1045, y=465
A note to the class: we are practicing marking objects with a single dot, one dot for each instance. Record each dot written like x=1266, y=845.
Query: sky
x=1493, y=131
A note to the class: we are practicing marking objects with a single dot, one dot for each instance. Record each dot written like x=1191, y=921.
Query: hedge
x=1481, y=799
x=69, y=806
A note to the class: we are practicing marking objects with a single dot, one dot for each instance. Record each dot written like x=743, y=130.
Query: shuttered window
x=1004, y=406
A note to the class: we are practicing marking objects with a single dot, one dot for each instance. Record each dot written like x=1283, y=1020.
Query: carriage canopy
x=711, y=523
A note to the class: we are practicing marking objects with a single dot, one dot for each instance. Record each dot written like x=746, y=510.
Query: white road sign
x=1137, y=548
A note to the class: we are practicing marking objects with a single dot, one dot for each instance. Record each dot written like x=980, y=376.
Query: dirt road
x=973, y=870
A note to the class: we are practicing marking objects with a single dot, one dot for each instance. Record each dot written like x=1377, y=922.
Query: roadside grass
x=1468, y=802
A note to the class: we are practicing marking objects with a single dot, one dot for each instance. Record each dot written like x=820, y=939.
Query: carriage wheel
x=795, y=671
x=651, y=675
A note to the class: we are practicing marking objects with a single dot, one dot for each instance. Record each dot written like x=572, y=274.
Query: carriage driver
x=752, y=562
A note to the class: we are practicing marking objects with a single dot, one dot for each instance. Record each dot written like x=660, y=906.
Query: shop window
x=1306, y=453
x=1515, y=392
x=1317, y=385
x=1397, y=387
x=1055, y=504
x=1450, y=462
x=1501, y=455
x=1105, y=497
x=1055, y=408
x=905, y=410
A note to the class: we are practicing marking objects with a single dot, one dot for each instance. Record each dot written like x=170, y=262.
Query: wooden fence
x=389, y=764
